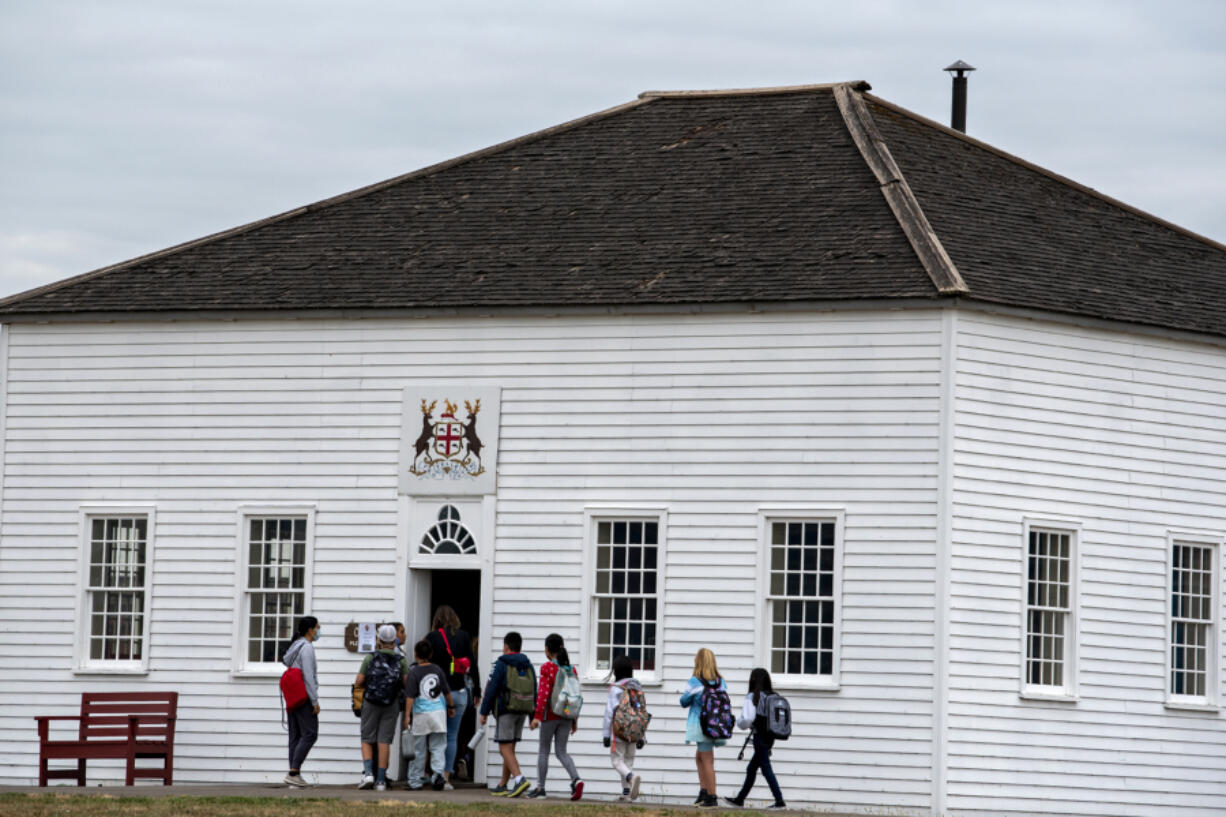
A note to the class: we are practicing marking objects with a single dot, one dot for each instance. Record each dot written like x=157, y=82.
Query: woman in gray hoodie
x=303, y=721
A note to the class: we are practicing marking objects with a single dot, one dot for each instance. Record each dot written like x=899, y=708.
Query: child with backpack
x=382, y=676
x=558, y=700
x=510, y=696
x=625, y=724
x=769, y=717
x=710, y=721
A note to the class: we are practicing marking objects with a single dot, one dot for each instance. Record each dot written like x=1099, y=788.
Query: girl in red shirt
x=555, y=730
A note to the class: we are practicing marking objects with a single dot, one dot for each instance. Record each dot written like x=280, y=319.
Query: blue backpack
x=715, y=713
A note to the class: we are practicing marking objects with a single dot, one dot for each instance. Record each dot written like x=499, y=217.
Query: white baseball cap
x=387, y=633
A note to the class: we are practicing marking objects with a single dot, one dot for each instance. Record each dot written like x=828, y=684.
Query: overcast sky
x=127, y=127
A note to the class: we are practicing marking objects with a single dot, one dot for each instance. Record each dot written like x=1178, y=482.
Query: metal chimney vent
x=958, y=116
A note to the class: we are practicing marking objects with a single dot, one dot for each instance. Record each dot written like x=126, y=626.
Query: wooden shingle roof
x=807, y=194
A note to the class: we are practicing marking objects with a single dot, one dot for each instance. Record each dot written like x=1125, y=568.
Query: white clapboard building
x=935, y=435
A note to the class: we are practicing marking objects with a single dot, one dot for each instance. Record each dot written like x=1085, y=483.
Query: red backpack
x=293, y=689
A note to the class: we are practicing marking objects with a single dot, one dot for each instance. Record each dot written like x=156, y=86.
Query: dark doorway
x=461, y=589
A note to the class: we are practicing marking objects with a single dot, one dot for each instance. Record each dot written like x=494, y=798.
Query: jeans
x=761, y=760
x=460, y=699
x=434, y=742
x=554, y=734
x=303, y=730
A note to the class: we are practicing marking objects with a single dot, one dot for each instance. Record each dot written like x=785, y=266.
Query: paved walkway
x=463, y=794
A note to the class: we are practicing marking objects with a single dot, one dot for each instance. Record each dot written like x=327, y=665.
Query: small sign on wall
x=366, y=636
x=449, y=439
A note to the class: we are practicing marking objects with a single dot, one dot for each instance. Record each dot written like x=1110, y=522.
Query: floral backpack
x=631, y=717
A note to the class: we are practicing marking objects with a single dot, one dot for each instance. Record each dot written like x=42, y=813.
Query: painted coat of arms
x=448, y=447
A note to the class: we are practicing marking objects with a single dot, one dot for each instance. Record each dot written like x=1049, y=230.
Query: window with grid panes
x=802, y=597
x=1049, y=576
x=1191, y=619
x=276, y=584
x=626, y=597
x=116, y=590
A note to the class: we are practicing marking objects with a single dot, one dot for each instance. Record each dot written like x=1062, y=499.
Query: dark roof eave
x=477, y=310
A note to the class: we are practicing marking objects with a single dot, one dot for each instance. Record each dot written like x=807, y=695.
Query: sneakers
x=624, y=797
x=438, y=782
x=368, y=782
x=499, y=791
x=710, y=801
x=447, y=786
x=537, y=792
x=381, y=786
x=576, y=789
x=777, y=807
x=295, y=780
x=635, y=783
x=516, y=789
x=735, y=803
x=702, y=795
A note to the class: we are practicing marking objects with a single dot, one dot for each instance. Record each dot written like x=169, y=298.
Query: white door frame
x=412, y=592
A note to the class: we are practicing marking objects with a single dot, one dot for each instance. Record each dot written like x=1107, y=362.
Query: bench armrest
x=148, y=720
x=44, y=723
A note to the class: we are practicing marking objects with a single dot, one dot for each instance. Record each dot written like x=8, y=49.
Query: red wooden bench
x=125, y=725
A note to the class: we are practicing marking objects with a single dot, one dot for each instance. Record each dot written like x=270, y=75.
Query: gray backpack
x=773, y=717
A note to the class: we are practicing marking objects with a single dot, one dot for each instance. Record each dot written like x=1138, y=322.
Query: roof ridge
x=898, y=194
x=1098, y=194
x=340, y=198
x=859, y=85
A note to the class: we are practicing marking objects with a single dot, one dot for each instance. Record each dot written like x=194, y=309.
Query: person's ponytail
x=555, y=645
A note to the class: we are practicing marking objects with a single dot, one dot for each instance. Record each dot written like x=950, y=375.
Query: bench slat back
x=104, y=715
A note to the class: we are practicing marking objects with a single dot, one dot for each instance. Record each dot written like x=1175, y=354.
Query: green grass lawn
x=75, y=805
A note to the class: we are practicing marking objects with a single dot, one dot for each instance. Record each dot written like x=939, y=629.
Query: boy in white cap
x=382, y=676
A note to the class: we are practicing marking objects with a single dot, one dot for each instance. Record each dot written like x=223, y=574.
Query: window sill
x=1050, y=697
x=140, y=671
x=796, y=684
x=606, y=678
x=1193, y=706
x=261, y=672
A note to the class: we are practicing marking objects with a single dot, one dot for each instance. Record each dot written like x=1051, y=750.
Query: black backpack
x=773, y=717
x=383, y=679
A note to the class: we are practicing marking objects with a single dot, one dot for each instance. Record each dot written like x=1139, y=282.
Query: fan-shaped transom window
x=448, y=534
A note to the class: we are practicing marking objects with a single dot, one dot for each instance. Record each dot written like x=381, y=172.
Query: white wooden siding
x=1126, y=436
x=709, y=416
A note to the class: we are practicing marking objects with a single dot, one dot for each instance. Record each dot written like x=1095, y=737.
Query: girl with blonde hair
x=706, y=680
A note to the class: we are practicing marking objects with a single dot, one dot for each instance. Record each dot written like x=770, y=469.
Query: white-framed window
x=1193, y=612
x=802, y=588
x=274, y=582
x=625, y=586
x=116, y=574
x=1049, y=610
x=448, y=536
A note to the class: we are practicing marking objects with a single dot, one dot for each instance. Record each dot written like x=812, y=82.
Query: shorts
x=379, y=722
x=706, y=746
x=510, y=728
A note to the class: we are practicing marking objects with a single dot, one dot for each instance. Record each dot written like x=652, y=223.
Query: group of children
x=512, y=694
